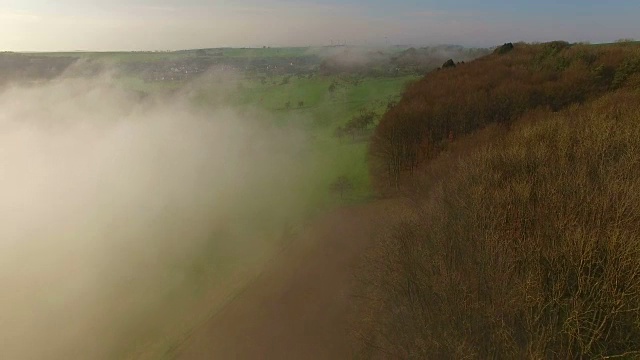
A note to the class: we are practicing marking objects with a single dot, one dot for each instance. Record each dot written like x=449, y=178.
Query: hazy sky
x=41, y=25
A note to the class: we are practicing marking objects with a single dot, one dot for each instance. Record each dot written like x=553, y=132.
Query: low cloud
x=108, y=201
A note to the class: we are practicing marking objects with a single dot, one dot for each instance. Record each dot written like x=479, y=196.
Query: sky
x=102, y=25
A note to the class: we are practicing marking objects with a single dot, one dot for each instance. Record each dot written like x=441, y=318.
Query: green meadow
x=313, y=105
x=307, y=103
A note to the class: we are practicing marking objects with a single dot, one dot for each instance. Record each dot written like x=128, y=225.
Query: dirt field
x=298, y=307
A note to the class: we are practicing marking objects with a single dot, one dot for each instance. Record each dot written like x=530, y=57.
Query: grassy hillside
x=523, y=238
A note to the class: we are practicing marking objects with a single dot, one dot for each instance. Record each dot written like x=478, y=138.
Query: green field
x=313, y=107
x=316, y=112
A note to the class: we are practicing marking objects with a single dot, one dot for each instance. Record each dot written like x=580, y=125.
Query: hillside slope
x=498, y=88
x=523, y=241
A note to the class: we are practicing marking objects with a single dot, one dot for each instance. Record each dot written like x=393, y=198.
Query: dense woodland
x=522, y=240
x=496, y=89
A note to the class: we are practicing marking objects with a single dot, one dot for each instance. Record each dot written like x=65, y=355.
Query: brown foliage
x=528, y=247
x=497, y=88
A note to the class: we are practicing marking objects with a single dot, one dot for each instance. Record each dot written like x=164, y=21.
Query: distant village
x=185, y=69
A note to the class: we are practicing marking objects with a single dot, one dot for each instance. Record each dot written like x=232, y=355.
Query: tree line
x=498, y=88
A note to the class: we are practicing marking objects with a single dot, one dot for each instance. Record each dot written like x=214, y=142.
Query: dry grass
x=529, y=247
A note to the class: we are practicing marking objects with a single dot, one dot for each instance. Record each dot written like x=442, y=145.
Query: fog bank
x=107, y=199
